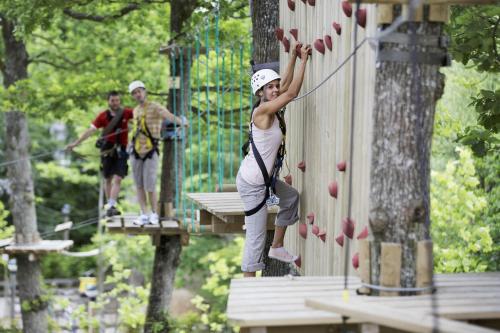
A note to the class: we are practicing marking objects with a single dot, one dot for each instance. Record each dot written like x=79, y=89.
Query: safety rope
x=209, y=161
x=217, y=85
x=191, y=162
x=241, y=103
x=198, y=90
x=182, y=186
x=174, y=106
x=231, y=118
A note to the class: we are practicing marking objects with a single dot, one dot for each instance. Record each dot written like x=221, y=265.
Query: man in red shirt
x=113, y=144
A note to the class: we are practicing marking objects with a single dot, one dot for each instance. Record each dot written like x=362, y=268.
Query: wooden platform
x=224, y=211
x=301, y=304
x=42, y=247
x=124, y=224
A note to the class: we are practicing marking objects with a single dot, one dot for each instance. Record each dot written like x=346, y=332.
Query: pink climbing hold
x=337, y=27
x=328, y=42
x=348, y=227
x=291, y=5
x=361, y=16
x=298, y=262
x=346, y=7
x=288, y=179
x=363, y=234
x=311, y=2
x=279, y=33
x=295, y=33
x=315, y=230
x=286, y=44
x=355, y=260
x=319, y=45
x=310, y=217
x=303, y=230
x=302, y=166
x=341, y=166
x=322, y=235
x=340, y=239
x=333, y=189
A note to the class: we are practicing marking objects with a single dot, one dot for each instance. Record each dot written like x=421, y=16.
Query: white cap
x=263, y=77
x=134, y=85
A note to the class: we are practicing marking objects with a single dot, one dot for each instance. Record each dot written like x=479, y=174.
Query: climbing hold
x=341, y=166
x=311, y=2
x=304, y=1
x=288, y=179
x=279, y=33
x=302, y=166
x=328, y=42
x=361, y=16
x=291, y=5
x=348, y=227
x=340, y=239
x=310, y=217
x=355, y=260
x=337, y=27
x=363, y=234
x=286, y=44
x=319, y=45
x=295, y=33
x=346, y=7
x=322, y=235
x=303, y=230
x=315, y=230
x=333, y=189
x=298, y=262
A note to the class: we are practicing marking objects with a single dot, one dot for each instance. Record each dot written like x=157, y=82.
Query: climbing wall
x=319, y=130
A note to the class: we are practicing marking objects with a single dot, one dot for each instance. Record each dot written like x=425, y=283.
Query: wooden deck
x=42, y=247
x=124, y=224
x=299, y=304
x=224, y=211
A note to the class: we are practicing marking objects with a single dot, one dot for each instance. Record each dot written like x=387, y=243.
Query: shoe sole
x=282, y=260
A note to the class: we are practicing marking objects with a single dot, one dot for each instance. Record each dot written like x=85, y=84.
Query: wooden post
x=385, y=14
x=390, y=267
x=364, y=264
x=424, y=264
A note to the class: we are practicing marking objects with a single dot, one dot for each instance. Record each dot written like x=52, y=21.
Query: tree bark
x=406, y=95
x=167, y=254
x=265, y=18
x=22, y=199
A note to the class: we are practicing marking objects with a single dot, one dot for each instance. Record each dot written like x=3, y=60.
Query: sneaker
x=142, y=220
x=153, y=218
x=281, y=254
x=112, y=211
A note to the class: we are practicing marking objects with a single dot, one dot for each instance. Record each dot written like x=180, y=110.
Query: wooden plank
x=390, y=267
x=226, y=188
x=407, y=321
x=44, y=246
x=385, y=14
x=439, y=13
x=5, y=242
x=63, y=226
x=418, y=13
x=424, y=264
x=364, y=268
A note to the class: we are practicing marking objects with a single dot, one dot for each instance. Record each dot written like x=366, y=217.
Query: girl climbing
x=257, y=180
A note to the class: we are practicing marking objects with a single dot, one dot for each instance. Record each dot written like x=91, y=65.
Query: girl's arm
x=286, y=79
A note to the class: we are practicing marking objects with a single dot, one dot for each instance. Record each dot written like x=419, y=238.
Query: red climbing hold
x=340, y=239
x=286, y=44
x=279, y=33
x=315, y=230
x=302, y=166
x=341, y=166
x=322, y=235
x=348, y=227
x=364, y=233
x=337, y=27
x=333, y=189
x=310, y=217
x=361, y=16
x=295, y=33
x=355, y=260
x=346, y=7
x=291, y=5
x=319, y=45
x=311, y=2
x=328, y=42
x=298, y=262
x=303, y=230
x=288, y=179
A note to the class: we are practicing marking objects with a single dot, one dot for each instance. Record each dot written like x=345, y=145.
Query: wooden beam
x=424, y=263
x=390, y=267
x=418, y=14
x=405, y=320
x=63, y=226
x=385, y=14
x=439, y=13
x=364, y=264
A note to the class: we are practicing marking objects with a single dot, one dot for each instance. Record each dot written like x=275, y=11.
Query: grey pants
x=256, y=224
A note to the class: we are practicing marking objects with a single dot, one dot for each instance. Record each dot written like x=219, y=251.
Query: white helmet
x=263, y=77
x=134, y=85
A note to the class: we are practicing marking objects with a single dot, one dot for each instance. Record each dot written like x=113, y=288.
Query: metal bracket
x=426, y=58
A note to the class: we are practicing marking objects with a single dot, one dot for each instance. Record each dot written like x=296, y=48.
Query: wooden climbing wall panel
x=319, y=130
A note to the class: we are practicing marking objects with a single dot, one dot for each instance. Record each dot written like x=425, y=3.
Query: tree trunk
x=405, y=102
x=265, y=18
x=167, y=254
x=22, y=199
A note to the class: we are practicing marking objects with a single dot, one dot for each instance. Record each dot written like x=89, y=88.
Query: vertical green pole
x=207, y=95
x=231, y=119
x=199, y=107
x=191, y=155
x=176, y=166
x=183, y=141
x=241, y=101
x=223, y=117
x=219, y=169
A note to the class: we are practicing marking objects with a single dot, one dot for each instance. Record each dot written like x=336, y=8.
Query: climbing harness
x=151, y=142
